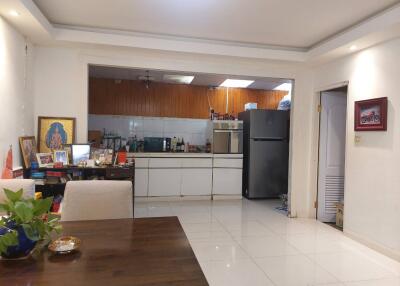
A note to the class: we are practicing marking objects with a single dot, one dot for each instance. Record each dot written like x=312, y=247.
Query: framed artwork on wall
x=371, y=114
x=54, y=132
x=28, y=150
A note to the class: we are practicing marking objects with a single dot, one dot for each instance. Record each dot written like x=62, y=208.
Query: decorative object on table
x=44, y=159
x=68, y=148
x=7, y=172
x=54, y=132
x=28, y=222
x=102, y=156
x=61, y=156
x=80, y=154
x=28, y=150
x=370, y=115
x=64, y=245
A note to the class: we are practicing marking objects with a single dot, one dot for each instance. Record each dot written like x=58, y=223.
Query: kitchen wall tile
x=193, y=131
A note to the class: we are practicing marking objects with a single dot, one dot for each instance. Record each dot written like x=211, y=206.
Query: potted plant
x=28, y=221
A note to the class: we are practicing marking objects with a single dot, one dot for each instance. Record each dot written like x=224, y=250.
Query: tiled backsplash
x=194, y=131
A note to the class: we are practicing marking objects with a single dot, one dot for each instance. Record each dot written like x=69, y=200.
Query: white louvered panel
x=334, y=192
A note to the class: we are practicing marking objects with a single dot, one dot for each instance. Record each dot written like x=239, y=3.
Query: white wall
x=16, y=112
x=60, y=88
x=372, y=180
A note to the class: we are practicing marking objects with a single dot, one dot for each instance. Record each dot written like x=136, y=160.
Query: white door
x=331, y=154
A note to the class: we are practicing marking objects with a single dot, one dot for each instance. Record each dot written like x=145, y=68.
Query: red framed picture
x=371, y=114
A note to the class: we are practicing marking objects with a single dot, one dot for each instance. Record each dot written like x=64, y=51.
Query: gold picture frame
x=28, y=148
x=55, y=132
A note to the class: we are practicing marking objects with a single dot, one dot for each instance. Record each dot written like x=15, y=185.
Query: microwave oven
x=157, y=144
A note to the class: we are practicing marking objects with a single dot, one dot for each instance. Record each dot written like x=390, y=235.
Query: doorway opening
x=331, y=163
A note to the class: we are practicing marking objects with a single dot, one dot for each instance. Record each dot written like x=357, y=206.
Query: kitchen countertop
x=184, y=155
x=171, y=155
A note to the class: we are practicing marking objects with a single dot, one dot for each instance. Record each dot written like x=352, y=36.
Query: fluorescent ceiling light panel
x=284, y=86
x=236, y=83
x=186, y=79
x=14, y=13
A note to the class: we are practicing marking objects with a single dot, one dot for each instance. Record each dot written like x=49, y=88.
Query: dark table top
x=144, y=251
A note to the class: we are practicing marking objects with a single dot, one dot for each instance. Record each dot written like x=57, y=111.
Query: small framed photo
x=61, y=156
x=371, y=114
x=28, y=150
x=44, y=159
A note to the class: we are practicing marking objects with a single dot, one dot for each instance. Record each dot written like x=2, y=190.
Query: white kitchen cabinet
x=141, y=182
x=164, y=182
x=196, y=182
x=227, y=181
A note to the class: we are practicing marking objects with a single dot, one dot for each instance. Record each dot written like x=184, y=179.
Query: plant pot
x=24, y=247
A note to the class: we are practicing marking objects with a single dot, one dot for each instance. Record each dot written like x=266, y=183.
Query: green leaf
x=42, y=206
x=30, y=232
x=13, y=196
x=23, y=211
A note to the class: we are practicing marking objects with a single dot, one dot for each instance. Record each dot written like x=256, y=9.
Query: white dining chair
x=97, y=200
x=15, y=185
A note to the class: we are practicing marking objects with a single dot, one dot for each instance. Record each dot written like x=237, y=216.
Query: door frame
x=316, y=116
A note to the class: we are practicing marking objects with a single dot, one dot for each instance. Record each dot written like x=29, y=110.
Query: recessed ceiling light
x=14, y=13
x=185, y=79
x=353, y=48
x=236, y=83
x=284, y=86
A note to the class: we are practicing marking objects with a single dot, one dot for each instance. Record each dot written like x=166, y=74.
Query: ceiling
x=291, y=24
x=199, y=78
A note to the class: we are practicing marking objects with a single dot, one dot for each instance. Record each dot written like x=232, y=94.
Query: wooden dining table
x=142, y=251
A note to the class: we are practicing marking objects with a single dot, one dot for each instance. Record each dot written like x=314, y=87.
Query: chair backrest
x=97, y=200
x=15, y=185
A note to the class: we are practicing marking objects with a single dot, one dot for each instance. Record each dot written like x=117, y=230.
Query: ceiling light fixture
x=14, y=13
x=284, y=86
x=236, y=83
x=185, y=79
x=353, y=48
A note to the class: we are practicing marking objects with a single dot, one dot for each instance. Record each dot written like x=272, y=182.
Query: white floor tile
x=265, y=246
x=227, y=251
x=297, y=270
x=350, y=266
x=380, y=282
x=242, y=272
x=242, y=242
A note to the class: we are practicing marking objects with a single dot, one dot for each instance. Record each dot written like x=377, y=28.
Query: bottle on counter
x=182, y=145
x=173, y=144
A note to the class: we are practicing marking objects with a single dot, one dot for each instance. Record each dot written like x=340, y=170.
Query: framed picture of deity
x=28, y=150
x=371, y=114
x=54, y=133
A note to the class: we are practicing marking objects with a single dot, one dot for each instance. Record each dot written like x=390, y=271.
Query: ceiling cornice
x=379, y=28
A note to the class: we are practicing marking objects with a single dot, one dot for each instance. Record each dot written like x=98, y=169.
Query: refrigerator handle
x=269, y=139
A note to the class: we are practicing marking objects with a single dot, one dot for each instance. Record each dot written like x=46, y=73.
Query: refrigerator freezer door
x=269, y=124
x=268, y=169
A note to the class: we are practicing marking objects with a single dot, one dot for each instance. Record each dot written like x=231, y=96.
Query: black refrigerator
x=265, y=153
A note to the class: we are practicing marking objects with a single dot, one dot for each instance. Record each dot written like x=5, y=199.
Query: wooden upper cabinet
x=131, y=97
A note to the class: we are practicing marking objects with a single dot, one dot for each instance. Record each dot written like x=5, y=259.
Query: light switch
x=357, y=138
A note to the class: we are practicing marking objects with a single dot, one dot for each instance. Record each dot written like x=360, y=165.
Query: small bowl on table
x=64, y=245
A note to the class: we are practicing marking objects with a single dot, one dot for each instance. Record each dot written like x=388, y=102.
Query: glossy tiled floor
x=250, y=243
